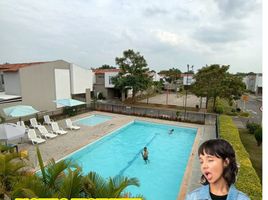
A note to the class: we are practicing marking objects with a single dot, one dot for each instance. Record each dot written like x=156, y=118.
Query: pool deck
x=62, y=146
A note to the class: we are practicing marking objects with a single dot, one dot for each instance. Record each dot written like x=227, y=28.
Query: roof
x=102, y=71
x=185, y=75
x=15, y=67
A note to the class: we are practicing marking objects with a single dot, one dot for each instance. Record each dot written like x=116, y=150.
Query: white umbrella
x=69, y=102
x=10, y=131
x=19, y=111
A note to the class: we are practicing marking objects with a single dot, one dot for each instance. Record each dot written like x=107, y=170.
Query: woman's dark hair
x=224, y=150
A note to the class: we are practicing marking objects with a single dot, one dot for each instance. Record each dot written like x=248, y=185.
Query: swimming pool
x=93, y=120
x=119, y=154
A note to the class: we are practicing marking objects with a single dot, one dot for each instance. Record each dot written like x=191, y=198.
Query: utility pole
x=186, y=92
x=167, y=95
x=186, y=89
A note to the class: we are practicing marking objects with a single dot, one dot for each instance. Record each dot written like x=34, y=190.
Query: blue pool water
x=120, y=154
x=93, y=120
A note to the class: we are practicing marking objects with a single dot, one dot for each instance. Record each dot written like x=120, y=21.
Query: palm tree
x=61, y=179
x=64, y=179
x=96, y=186
x=10, y=172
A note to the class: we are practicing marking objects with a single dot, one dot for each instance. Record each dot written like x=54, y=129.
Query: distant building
x=103, y=83
x=254, y=83
x=187, y=79
x=40, y=83
x=155, y=76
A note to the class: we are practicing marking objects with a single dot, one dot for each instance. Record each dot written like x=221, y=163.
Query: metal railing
x=160, y=113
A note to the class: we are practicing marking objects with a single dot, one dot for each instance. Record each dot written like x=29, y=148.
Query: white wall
x=81, y=79
x=156, y=77
x=190, y=80
x=259, y=81
x=107, y=78
x=62, y=83
x=12, y=83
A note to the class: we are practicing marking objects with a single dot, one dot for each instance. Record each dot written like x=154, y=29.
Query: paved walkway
x=178, y=100
x=207, y=133
x=62, y=146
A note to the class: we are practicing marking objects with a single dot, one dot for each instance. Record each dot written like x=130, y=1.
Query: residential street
x=253, y=107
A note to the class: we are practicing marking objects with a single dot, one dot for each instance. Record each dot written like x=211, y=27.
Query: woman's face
x=212, y=167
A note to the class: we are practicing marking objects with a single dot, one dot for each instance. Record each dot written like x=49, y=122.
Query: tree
x=105, y=66
x=171, y=75
x=215, y=81
x=133, y=72
x=96, y=186
x=10, y=172
x=64, y=179
x=232, y=87
x=209, y=82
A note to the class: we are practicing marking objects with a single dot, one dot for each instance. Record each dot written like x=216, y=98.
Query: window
x=110, y=80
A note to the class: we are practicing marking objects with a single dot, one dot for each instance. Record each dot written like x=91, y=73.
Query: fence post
x=217, y=126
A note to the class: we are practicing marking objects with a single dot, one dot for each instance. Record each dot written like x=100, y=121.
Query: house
x=40, y=83
x=187, y=79
x=155, y=76
x=103, y=83
x=254, y=82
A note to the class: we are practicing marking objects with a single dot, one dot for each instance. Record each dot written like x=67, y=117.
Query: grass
x=254, y=151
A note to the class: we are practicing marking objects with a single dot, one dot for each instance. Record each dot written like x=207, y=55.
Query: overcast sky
x=168, y=34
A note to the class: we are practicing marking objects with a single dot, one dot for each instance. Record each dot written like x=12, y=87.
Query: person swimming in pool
x=171, y=131
x=145, y=155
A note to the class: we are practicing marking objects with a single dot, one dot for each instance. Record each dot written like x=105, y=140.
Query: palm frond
x=119, y=183
x=71, y=186
x=31, y=187
x=94, y=185
x=41, y=164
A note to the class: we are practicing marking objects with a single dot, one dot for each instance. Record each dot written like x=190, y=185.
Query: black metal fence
x=159, y=113
x=192, y=117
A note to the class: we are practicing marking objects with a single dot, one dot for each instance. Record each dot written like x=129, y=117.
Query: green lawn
x=255, y=152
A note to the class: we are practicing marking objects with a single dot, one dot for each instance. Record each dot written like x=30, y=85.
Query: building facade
x=254, y=83
x=40, y=83
x=103, y=83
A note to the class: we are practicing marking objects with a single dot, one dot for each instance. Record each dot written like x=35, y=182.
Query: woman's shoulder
x=237, y=193
x=201, y=192
x=242, y=196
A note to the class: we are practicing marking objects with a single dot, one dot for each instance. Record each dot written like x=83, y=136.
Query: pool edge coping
x=187, y=175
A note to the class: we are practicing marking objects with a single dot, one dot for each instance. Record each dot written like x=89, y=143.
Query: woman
x=219, y=170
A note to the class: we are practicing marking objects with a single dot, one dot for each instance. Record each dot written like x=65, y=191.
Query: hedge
x=248, y=181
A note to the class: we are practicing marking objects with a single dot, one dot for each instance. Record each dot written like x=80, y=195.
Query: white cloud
x=168, y=34
x=168, y=37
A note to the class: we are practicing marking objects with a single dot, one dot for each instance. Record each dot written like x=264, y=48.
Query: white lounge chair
x=21, y=123
x=44, y=132
x=70, y=125
x=47, y=120
x=34, y=138
x=56, y=129
x=34, y=123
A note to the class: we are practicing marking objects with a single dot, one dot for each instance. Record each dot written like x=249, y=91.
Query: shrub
x=258, y=135
x=232, y=113
x=233, y=110
x=248, y=181
x=244, y=114
x=70, y=111
x=238, y=109
x=252, y=127
x=100, y=96
x=219, y=109
x=178, y=113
